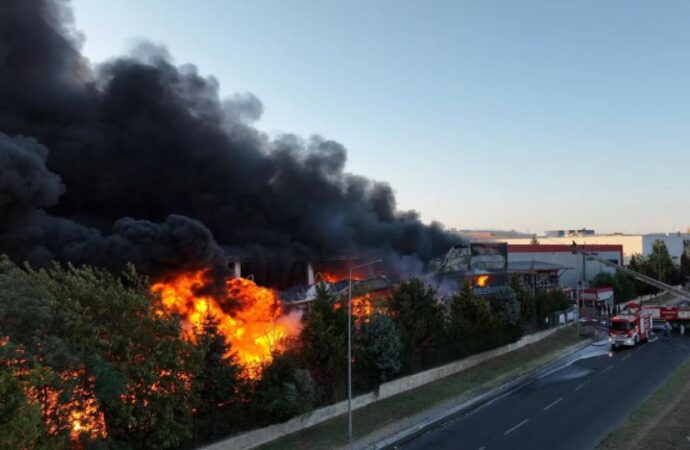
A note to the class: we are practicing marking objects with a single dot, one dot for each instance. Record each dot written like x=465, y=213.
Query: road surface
x=571, y=405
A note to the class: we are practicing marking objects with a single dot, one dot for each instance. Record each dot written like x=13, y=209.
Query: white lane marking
x=626, y=357
x=582, y=385
x=607, y=369
x=553, y=404
x=516, y=427
x=482, y=448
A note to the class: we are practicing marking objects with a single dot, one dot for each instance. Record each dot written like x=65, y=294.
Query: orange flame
x=82, y=415
x=254, y=330
x=482, y=280
x=362, y=306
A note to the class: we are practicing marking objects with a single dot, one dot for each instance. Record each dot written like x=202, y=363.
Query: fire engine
x=635, y=323
x=674, y=314
x=630, y=328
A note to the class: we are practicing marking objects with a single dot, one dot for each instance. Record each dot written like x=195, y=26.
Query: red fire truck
x=674, y=314
x=630, y=328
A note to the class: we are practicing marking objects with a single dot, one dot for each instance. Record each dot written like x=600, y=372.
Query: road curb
x=430, y=423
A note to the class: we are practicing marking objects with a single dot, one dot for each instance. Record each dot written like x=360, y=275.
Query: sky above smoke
x=140, y=160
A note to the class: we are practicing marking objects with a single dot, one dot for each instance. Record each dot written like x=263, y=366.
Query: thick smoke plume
x=141, y=160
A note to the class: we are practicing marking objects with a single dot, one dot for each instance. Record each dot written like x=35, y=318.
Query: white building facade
x=633, y=244
x=578, y=268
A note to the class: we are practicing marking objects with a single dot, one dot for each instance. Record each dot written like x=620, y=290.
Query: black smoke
x=138, y=159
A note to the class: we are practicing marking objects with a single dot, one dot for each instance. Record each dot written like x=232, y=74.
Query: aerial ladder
x=636, y=275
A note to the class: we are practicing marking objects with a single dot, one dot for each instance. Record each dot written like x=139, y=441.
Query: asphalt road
x=571, y=405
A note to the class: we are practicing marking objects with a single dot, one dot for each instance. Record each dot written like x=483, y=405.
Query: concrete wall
x=261, y=436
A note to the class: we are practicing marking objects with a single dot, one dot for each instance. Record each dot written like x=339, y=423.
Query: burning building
x=138, y=160
x=483, y=264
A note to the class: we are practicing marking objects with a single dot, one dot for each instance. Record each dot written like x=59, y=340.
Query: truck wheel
x=614, y=347
x=637, y=339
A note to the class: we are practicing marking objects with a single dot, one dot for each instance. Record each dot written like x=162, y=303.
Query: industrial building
x=633, y=244
x=551, y=263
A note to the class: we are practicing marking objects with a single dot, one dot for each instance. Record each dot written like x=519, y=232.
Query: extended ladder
x=638, y=276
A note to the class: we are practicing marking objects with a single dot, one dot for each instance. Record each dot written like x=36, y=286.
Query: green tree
x=659, y=265
x=285, y=390
x=101, y=337
x=685, y=266
x=548, y=303
x=469, y=323
x=378, y=352
x=221, y=390
x=660, y=261
x=419, y=319
x=640, y=264
x=21, y=424
x=623, y=287
x=525, y=298
x=505, y=305
x=626, y=287
x=324, y=347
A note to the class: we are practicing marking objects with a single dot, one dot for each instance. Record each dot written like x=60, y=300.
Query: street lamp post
x=349, y=346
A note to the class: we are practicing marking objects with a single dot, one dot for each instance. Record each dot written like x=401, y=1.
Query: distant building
x=633, y=244
x=546, y=261
x=564, y=233
x=592, y=298
x=483, y=235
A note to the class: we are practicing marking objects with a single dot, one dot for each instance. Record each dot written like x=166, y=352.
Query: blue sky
x=526, y=115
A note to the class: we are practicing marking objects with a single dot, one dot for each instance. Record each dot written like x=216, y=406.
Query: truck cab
x=629, y=329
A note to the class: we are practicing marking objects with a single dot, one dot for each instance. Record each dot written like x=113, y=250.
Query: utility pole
x=658, y=257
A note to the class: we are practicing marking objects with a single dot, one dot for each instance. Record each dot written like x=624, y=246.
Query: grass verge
x=662, y=421
x=377, y=416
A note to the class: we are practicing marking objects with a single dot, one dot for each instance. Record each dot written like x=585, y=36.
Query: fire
x=362, y=306
x=482, y=280
x=254, y=329
x=82, y=415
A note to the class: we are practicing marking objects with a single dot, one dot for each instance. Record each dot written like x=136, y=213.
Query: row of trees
x=624, y=287
x=88, y=354
x=659, y=265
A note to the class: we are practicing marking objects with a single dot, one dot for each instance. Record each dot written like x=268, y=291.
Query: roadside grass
x=376, y=416
x=662, y=421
